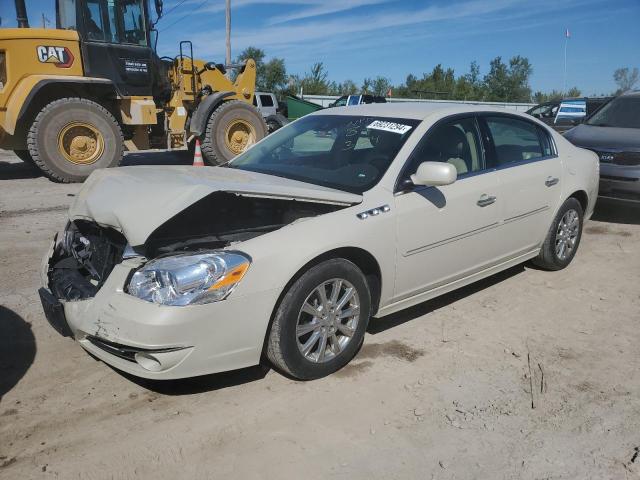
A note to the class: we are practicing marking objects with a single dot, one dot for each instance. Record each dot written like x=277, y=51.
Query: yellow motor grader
x=73, y=98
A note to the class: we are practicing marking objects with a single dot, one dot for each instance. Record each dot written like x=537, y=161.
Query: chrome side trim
x=470, y=233
x=527, y=214
x=439, y=243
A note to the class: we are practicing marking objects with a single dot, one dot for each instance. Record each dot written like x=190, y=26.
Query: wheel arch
x=101, y=91
x=200, y=117
x=582, y=197
x=360, y=257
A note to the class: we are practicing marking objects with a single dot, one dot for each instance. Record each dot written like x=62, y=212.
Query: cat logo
x=61, y=57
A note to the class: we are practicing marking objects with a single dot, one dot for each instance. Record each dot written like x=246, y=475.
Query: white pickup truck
x=267, y=105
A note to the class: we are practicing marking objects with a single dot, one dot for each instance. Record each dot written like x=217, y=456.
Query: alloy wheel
x=327, y=320
x=567, y=234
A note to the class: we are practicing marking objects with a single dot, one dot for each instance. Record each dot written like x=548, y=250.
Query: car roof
x=632, y=93
x=414, y=110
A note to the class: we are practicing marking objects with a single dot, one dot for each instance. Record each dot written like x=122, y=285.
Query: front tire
x=71, y=137
x=321, y=321
x=563, y=238
x=232, y=128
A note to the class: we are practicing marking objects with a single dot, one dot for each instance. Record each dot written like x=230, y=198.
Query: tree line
x=504, y=82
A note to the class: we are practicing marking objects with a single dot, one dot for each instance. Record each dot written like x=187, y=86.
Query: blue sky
x=363, y=38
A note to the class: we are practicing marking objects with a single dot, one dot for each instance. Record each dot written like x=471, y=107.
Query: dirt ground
x=526, y=375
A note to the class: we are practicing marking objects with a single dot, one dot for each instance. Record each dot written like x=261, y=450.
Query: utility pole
x=228, y=19
x=21, y=14
x=45, y=20
x=567, y=35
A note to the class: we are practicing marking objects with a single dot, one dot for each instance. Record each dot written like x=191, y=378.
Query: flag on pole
x=567, y=33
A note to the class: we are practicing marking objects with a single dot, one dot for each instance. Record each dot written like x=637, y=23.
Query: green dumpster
x=297, y=107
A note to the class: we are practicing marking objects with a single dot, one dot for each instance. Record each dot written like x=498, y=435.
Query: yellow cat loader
x=72, y=99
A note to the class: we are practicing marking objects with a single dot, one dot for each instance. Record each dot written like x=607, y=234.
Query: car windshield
x=621, y=112
x=345, y=152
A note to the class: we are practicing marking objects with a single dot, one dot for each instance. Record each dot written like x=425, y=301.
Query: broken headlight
x=188, y=279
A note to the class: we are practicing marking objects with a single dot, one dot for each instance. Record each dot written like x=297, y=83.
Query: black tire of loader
x=42, y=139
x=25, y=156
x=214, y=149
x=276, y=122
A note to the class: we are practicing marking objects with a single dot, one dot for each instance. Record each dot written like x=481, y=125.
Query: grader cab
x=74, y=98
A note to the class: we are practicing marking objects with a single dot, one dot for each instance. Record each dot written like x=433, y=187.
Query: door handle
x=485, y=200
x=551, y=181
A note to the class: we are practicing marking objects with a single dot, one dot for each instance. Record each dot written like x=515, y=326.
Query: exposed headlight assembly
x=190, y=278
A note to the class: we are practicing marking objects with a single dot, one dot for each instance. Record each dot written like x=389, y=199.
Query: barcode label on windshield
x=389, y=127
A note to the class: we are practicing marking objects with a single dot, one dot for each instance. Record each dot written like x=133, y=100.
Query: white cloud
x=321, y=8
x=286, y=35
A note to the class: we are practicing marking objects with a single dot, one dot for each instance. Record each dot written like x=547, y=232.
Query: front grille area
x=619, y=158
x=83, y=260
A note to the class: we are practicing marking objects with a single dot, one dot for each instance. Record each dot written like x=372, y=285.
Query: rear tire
x=291, y=346
x=563, y=237
x=72, y=137
x=232, y=128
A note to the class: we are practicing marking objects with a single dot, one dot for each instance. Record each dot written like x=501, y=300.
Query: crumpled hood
x=137, y=200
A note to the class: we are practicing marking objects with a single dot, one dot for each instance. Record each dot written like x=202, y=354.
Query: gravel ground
x=525, y=375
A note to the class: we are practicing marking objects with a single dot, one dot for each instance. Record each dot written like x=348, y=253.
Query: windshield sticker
x=389, y=127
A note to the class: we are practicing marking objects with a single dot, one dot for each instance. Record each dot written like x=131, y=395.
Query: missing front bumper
x=54, y=313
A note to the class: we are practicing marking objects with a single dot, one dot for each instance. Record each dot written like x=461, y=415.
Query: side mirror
x=434, y=174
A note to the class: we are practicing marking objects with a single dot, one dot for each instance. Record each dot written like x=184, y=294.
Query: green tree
x=274, y=77
x=625, y=78
x=315, y=81
x=469, y=86
x=376, y=86
x=555, y=95
x=271, y=76
x=574, y=92
x=508, y=83
x=348, y=87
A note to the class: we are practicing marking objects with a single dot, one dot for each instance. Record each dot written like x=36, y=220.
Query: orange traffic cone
x=197, y=155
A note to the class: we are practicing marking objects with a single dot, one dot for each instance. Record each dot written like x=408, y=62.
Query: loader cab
x=115, y=41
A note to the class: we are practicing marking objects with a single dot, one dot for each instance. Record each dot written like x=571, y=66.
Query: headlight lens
x=189, y=279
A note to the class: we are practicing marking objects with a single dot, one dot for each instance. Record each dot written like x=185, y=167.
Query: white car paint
x=423, y=248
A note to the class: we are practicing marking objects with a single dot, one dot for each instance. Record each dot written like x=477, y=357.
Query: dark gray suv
x=613, y=132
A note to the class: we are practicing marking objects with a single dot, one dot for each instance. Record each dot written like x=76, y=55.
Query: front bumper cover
x=166, y=342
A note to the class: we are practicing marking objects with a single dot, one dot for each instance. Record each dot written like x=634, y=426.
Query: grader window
x=115, y=21
x=66, y=14
x=3, y=70
x=133, y=22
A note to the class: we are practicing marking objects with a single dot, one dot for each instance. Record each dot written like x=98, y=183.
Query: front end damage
x=87, y=273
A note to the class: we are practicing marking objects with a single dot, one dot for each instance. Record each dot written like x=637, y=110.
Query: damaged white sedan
x=286, y=252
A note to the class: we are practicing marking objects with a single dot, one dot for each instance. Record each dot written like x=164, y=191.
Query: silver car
x=286, y=252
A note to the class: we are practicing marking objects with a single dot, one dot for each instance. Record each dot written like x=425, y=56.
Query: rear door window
x=514, y=140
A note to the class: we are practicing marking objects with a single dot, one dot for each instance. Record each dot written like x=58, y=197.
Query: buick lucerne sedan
x=286, y=252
